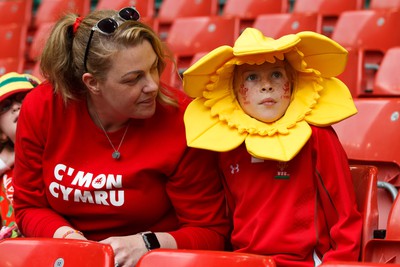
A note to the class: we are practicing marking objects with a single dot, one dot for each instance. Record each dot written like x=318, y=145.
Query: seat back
x=393, y=226
x=351, y=264
x=277, y=25
x=367, y=35
x=247, y=11
x=387, y=79
x=365, y=180
x=16, y=11
x=384, y=251
x=384, y=4
x=146, y=8
x=328, y=11
x=52, y=10
x=12, y=46
x=191, y=35
x=39, y=252
x=200, y=258
x=170, y=10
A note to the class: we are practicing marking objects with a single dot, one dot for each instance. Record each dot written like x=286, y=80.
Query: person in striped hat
x=13, y=89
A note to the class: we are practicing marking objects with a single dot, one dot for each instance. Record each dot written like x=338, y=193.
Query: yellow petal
x=335, y=104
x=206, y=132
x=279, y=147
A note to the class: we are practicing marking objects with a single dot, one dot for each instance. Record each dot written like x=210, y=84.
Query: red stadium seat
x=247, y=11
x=367, y=35
x=200, y=258
x=13, y=46
x=39, y=39
x=384, y=4
x=328, y=11
x=39, y=252
x=191, y=35
x=387, y=79
x=365, y=181
x=277, y=25
x=172, y=9
x=16, y=11
x=356, y=264
x=370, y=138
x=11, y=64
x=146, y=8
x=52, y=10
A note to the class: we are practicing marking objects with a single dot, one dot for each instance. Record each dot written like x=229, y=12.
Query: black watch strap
x=150, y=240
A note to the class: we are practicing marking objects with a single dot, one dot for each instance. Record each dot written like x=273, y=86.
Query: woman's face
x=132, y=84
x=263, y=91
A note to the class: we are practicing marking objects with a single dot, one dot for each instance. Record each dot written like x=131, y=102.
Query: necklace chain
x=116, y=154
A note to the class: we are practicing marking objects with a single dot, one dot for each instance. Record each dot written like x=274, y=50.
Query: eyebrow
x=155, y=62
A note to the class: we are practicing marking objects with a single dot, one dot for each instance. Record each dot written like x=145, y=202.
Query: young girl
x=268, y=105
x=13, y=89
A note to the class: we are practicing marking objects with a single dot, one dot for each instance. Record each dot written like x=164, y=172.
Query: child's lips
x=268, y=101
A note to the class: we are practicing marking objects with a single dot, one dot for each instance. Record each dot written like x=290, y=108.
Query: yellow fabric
x=215, y=120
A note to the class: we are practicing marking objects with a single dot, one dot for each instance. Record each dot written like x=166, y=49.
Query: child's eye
x=251, y=77
x=276, y=74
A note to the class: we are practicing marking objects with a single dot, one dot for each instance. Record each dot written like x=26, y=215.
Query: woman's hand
x=127, y=249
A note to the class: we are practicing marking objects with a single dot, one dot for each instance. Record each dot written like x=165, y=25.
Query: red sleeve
x=197, y=195
x=332, y=167
x=32, y=211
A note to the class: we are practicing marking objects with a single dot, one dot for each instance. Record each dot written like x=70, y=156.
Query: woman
x=286, y=174
x=101, y=151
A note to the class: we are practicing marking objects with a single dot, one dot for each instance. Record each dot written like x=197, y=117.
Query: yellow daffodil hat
x=215, y=121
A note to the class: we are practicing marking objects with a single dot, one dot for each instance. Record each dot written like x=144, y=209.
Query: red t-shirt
x=274, y=204
x=65, y=175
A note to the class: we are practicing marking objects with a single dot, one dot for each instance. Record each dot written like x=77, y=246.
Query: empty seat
x=189, y=36
x=39, y=252
x=11, y=65
x=198, y=258
x=370, y=137
x=277, y=25
x=328, y=11
x=52, y=10
x=247, y=11
x=365, y=186
x=38, y=41
x=356, y=264
x=170, y=10
x=367, y=35
x=16, y=11
x=146, y=8
x=384, y=4
x=13, y=45
x=387, y=79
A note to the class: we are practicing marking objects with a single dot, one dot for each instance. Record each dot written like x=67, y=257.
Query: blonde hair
x=62, y=60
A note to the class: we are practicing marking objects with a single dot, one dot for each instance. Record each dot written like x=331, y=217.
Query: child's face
x=263, y=91
x=9, y=112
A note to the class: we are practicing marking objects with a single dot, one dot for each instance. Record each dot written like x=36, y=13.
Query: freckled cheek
x=244, y=94
x=286, y=94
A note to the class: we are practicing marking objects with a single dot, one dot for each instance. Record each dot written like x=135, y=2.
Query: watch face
x=151, y=241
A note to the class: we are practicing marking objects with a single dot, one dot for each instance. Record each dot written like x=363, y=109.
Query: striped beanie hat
x=12, y=83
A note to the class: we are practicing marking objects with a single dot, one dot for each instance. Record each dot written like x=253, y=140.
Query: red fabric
x=65, y=175
x=6, y=196
x=275, y=206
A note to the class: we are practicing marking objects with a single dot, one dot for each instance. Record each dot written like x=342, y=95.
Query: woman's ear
x=91, y=83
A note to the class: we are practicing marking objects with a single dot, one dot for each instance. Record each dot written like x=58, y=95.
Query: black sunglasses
x=108, y=26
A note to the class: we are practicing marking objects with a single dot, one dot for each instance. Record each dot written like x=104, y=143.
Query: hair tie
x=76, y=24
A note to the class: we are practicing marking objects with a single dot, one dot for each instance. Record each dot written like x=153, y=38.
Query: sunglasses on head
x=7, y=103
x=108, y=26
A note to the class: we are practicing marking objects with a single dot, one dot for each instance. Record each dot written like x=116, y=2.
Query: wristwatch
x=150, y=240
